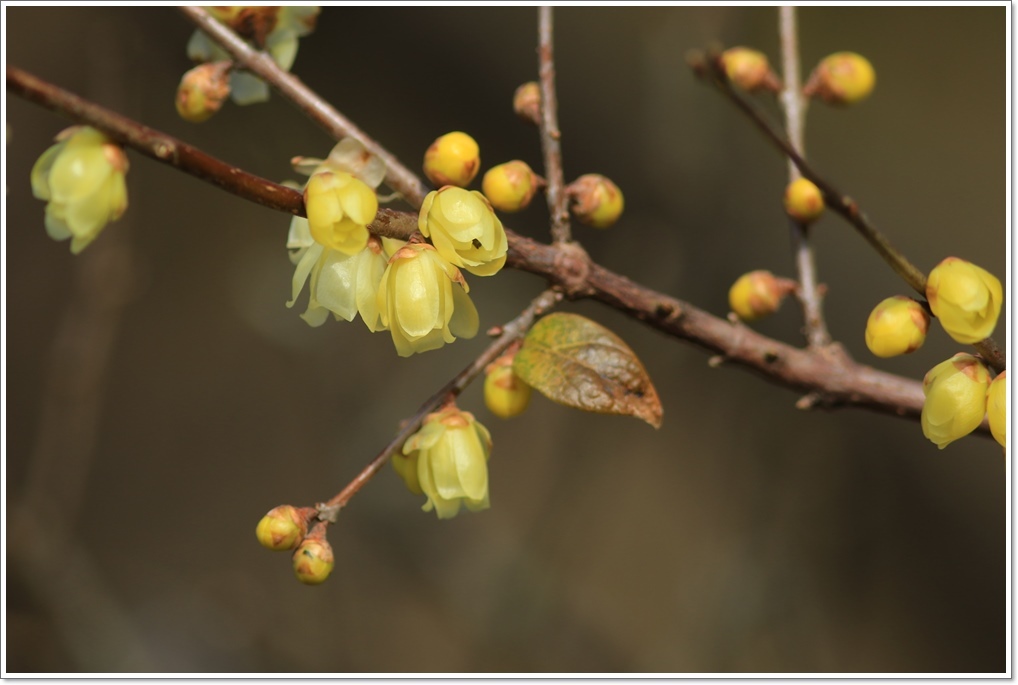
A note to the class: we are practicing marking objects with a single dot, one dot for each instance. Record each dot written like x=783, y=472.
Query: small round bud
x=896, y=326
x=749, y=69
x=452, y=160
x=510, y=187
x=203, y=90
x=843, y=78
x=596, y=201
x=313, y=561
x=996, y=408
x=527, y=102
x=505, y=394
x=282, y=528
x=757, y=294
x=965, y=298
x=803, y=201
x=955, y=403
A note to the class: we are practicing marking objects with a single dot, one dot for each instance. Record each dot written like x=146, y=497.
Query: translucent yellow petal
x=300, y=274
x=282, y=46
x=369, y=277
x=78, y=172
x=315, y=316
x=464, y=321
x=471, y=466
x=359, y=202
x=336, y=284
x=89, y=214
x=247, y=89
x=41, y=170
x=56, y=227
x=488, y=268
x=300, y=234
x=425, y=438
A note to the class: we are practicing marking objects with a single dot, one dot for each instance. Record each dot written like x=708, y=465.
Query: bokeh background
x=161, y=398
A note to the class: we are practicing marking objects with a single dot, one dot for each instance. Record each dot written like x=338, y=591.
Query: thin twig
x=794, y=106
x=841, y=204
x=551, y=137
x=397, y=176
x=839, y=383
x=511, y=332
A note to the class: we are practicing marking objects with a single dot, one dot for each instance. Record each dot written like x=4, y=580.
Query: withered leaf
x=579, y=363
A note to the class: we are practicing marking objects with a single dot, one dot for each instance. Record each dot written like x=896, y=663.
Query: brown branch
x=709, y=67
x=551, y=137
x=826, y=374
x=794, y=106
x=397, y=176
x=510, y=332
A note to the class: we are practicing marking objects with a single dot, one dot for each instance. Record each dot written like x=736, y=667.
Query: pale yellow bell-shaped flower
x=966, y=299
x=996, y=408
x=464, y=229
x=896, y=326
x=339, y=208
x=82, y=177
x=447, y=460
x=955, y=403
x=345, y=285
x=423, y=301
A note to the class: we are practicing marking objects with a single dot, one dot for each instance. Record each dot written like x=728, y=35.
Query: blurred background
x=161, y=397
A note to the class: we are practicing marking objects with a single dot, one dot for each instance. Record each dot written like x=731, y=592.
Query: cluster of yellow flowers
x=966, y=299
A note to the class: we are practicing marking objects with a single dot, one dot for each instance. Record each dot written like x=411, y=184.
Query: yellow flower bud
x=966, y=299
x=282, y=528
x=596, y=201
x=843, y=78
x=313, y=561
x=82, y=178
x=527, y=102
x=339, y=208
x=453, y=159
x=996, y=408
x=505, y=393
x=423, y=301
x=803, y=201
x=757, y=294
x=203, y=90
x=748, y=69
x=451, y=451
x=955, y=403
x=896, y=326
x=464, y=229
x=510, y=187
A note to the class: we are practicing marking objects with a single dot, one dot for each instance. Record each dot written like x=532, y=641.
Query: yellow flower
x=803, y=201
x=996, y=408
x=423, y=301
x=82, y=177
x=896, y=326
x=505, y=393
x=447, y=460
x=340, y=283
x=757, y=294
x=464, y=229
x=339, y=208
x=453, y=159
x=955, y=403
x=966, y=299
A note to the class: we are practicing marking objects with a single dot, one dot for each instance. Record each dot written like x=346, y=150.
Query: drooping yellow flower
x=955, y=403
x=447, y=460
x=339, y=208
x=996, y=408
x=82, y=178
x=464, y=229
x=966, y=299
x=343, y=284
x=896, y=326
x=423, y=301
